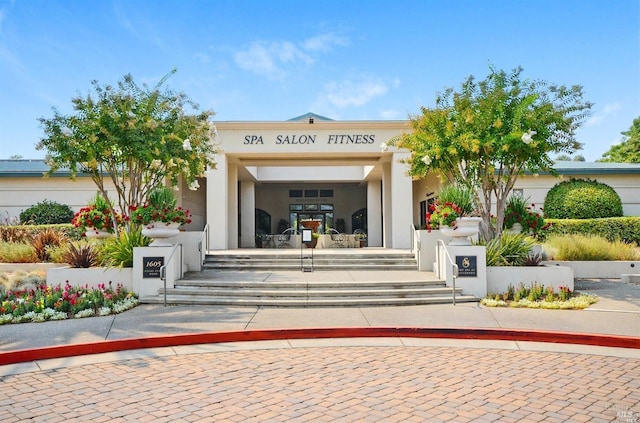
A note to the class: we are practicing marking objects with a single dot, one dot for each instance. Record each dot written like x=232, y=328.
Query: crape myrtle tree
x=628, y=151
x=487, y=133
x=135, y=136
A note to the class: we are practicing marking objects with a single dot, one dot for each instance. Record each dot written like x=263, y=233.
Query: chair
x=284, y=238
x=337, y=238
x=360, y=237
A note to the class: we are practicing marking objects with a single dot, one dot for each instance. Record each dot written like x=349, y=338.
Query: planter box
x=500, y=277
x=91, y=276
x=599, y=269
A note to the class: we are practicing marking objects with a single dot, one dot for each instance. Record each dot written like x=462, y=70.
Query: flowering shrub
x=537, y=296
x=147, y=213
x=63, y=302
x=443, y=214
x=97, y=214
x=160, y=207
x=519, y=211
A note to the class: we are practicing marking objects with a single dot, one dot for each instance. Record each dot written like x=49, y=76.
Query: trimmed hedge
x=46, y=213
x=612, y=228
x=582, y=199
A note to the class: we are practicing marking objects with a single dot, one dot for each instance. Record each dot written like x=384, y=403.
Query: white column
x=374, y=214
x=401, y=202
x=217, y=211
x=386, y=206
x=232, y=206
x=247, y=214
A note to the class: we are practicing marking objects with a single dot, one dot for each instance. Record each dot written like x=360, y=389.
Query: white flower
x=186, y=144
x=527, y=137
x=194, y=185
x=156, y=163
x=426, y=160
x=214, y=130
x=384, y=147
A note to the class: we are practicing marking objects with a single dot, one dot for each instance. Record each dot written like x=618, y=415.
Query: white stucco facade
x=328, y=170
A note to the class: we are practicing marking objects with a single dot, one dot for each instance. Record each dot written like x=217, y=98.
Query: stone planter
x=160, y=232
x=465, y=228
x=97, y=233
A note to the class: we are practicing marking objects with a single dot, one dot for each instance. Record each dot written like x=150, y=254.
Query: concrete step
x=273, y=278
x=305, y=302
x=292, y=260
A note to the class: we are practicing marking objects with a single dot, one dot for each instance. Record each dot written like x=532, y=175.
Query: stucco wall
x=19, y=193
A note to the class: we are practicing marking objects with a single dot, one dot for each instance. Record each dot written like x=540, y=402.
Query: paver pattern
x=337, y=384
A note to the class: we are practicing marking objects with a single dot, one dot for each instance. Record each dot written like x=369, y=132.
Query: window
x=326, y=193
x=310, y=192
x=295, y=193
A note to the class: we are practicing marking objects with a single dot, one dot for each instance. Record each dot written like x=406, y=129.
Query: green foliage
x=588, y=248
x=459, y=195
x=118, y=251
x=45, y=239
x=17, y=252
x=582, y=199
x=537, y=296
x=443, y=215
x=487, y=133
x=46, y=213
x=520, y=210
x=160, y=207
x=625, y=229
x=42, y=302
x=135, y=136
x=98, y=214
x=628, y=151
x=509, y=250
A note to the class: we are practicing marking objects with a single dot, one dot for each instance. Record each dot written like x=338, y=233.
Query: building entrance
x=326, y=220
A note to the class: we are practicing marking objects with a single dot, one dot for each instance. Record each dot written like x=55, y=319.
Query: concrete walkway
x=353, y=379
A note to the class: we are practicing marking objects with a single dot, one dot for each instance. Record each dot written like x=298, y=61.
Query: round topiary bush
x=46, y=213
x=582, y=199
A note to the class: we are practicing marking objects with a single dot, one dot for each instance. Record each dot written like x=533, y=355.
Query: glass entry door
x=326, y=220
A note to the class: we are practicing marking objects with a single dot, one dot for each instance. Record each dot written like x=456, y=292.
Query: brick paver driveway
x=359, y=383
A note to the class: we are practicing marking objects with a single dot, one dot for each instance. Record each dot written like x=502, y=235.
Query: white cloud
x=324, y=42
x=354, y=92
x=609, y=109
x=266, y=58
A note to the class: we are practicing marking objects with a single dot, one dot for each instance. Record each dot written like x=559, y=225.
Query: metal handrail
x=204, y=237
x=454, y=266
x=163, y=269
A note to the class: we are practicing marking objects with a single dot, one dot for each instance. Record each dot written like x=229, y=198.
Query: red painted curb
x=22, y=356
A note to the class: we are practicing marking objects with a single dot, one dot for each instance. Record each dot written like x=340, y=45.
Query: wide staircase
x=289, y=278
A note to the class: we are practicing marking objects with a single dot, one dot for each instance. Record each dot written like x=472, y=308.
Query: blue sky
x=346, y=59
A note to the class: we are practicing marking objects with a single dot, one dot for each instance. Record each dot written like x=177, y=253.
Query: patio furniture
x=337, y=238
x=284, y=239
